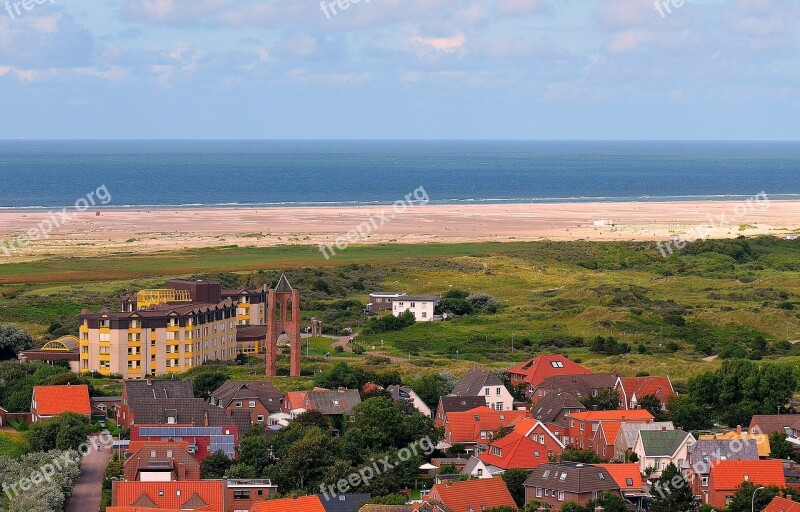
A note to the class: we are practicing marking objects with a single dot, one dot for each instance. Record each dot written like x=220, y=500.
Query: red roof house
x=514, y=451
x=478, y=425
x=632, y=389
x=472, y=495
x=205, y=495
x=294, y=504
x=726, y=475
x=782, y=505
x=49, y=401
x=531, y=373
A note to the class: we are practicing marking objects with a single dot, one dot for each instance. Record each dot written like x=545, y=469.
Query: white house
x=421, y=305
x=481, y=382
x=476, y=468
x=657, y=449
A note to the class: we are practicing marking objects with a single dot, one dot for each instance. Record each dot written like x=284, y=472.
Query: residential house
x=261, y=399
x=422, y=306
x=406, y=393
x=628, y=432
x=471, y=495
x=531, y=373
x=583, y=426
x=556, y=483
x=513, y=451
x=632, y=389
x=707, y=452
x=580, y=386
x=458, y=462
x=605, y=439
x=762, y=440
x=657, y=449
x=476, y=427
x=783, y=505
x=150, y=389
x=485, y=383
x=448, y=404
x=556, y=406
x=203, y=440
x=476, y=468
x=538, y=432
x=770, y=423
x=330, y=402
x=629, y=480
x=49, y=401
x=727, y=475
x=382, y=301
x=105, y=406
x=159, y=461
x=343, y=502
x=186, y=495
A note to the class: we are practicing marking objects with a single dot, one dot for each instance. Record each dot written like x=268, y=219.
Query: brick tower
x=283, y=317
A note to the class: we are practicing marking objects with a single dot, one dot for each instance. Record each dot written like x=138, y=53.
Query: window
x=657, y=465
x=498, y=392
x=556, y=364
x=538, y=492
x=480, y=472
x=252, y=403
x=629, y=482
x=560, y=495
x=601, y=475
x=705, y=481
x=563, y=476
x=486, y=391
x=424, y=314
x=260, y=417
x=536, y=453
x=241, y=494
x=239, y=404
x=541, y=439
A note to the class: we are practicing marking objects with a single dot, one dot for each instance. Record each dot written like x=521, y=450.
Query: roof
x=661, y=387
x=283, y=285
x=782, y=505
x=467, y=426
x=474, y=380
x=729, y=474
x=707, y=451
x=293, y=504
x=343, y=502
x=159, y=389
x=515, y=451
x=627, y=476
x=630, y=431
x=326, y=401
x=473, y=495
x=251, y=332
x=526, y=425
x=421, y=298
x=662, y=443
x=134, y=446
x=460, y=403
x=762, y=440
x=264, y=391
x=550, y=407
x=610, y=430
x=572, y=477
x=187, y=411
x=636, y=414
x=54, y=400
x=183, y=495
x=579, y=386
x=371, y=507
x=387, y=294
x=538, y=369
x=771, y=423
x=175, y=454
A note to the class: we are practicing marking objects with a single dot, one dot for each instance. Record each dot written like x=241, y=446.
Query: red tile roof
x=298, y=504
x=173, y=495
x=466, y=426
x=538, y=369
x=54, y=400
x=729, y=474
x=475, y=495
x=624, y=473
x=636, y=414
x=516, y=452
x=782, y=505
x=135, y=446
x=611, y=430
x=628, y=387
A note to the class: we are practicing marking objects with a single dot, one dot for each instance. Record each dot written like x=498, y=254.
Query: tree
x=610, y=502
x=780, y=448
x=687, y=414
x=501, y=508
x=743, y=500
x=207, y=382
x=606, y=400
x=341, y=375
x=448, y=469
x=215, y=466
x=240, y=471
x=483, y=301
x=66, y=431
x=584, y=456
x=390, y=499
x=671, y=493
x=653, y=405
x=431, y=386
x=13, y=340
x=515, y=480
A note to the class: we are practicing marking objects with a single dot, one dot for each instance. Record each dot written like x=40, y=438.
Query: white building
x=421, y=305
x=481, y=382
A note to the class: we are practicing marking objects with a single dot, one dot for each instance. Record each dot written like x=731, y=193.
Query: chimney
x=149, y=382
x=69, y=384
x=294, y=497
x=739, y=429
x=663, y=428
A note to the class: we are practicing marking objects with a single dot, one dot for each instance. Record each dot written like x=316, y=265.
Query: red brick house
x=556, y=483
x=259, y=399
x=583, y=426
x=202, y=495
x=49, y=401
x=727, y=475
x=448, y=404
x=533, y=372
x=514, y=451
x=538, y=432
x=477, y=426
x=158, y=461
x=632, y=389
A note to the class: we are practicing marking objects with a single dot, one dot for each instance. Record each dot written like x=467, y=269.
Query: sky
x=400, y=69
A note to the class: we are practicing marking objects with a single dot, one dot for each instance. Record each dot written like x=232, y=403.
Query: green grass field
x=13, y=443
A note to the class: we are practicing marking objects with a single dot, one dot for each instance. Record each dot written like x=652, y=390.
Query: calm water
x=165, y=173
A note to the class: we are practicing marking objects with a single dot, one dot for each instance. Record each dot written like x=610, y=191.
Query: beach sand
x=139, y=231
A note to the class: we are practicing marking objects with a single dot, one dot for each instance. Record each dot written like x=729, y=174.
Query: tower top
x=283, y=285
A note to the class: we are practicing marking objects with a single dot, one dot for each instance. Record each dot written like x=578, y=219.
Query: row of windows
x=555, y=492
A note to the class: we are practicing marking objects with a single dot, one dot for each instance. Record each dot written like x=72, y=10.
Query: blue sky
x=520, y=69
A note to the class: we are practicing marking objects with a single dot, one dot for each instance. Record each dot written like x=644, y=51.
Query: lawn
x=13, y=443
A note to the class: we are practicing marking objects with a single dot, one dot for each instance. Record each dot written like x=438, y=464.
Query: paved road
x=88, y=490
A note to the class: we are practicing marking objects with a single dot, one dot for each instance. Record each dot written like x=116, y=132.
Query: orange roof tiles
x=135, y=446
x=623, y=474
x=467, y=426
x=298, y=504
x=782, y=505
x=636, y=414
x=474, y=495
x=173, y=495
x=661, y=387
x=611, y=430
x=515, y=452
x=538, y=369
x=54, y=400
x=729, y=474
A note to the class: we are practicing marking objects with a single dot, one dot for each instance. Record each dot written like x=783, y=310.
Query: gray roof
x=549, y=408
x=264, y=391
x=158, y=389
x=475, y=379
x=421, y=298
x=460, y=403
x=186, y=411
x=572, y=477
x=335, y=401
x=630, y=431
x=705, y=452
x=343, y=502
x=771, y=423
x=579, y=386
x=662, y=443
x=469, y=467
x=283, y=285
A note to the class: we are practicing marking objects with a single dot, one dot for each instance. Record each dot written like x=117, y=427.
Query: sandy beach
x=130, y=230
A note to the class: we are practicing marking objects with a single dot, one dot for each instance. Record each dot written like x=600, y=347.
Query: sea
x=236, y=174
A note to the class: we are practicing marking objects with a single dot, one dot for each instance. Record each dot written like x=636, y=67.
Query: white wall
x=423, y=310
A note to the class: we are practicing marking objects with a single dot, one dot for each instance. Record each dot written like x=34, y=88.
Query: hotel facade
x=171, y=330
